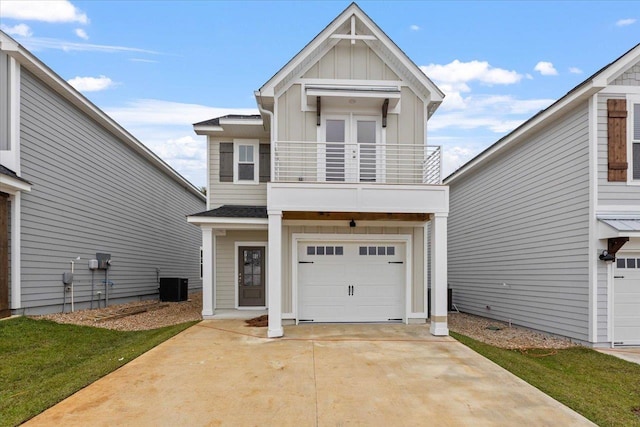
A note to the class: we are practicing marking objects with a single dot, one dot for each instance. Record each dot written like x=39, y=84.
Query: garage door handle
x=305, y=262
x=396, y=262
x=618, y=277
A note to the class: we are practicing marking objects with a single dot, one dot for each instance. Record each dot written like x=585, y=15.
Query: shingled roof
x=216, y=121
x=235, y=211
x=12, y=174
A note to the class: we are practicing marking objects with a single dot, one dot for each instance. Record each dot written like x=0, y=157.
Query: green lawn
x=603, y=388
x=42, y=362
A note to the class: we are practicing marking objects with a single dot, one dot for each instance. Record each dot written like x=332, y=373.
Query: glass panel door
x=335, y=138
x=366, y=137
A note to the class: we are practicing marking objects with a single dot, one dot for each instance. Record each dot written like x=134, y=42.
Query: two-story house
x=545, y=223
x=328, y=206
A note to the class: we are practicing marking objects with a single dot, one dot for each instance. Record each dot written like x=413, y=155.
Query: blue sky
x=158, y=67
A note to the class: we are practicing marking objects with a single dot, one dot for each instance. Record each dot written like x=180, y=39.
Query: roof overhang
x=614, y=226
x=234, y=127
x=349, y=95
x=12, y=185
x=229, y=223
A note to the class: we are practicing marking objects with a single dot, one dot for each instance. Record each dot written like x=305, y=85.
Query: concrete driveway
x=223, y=373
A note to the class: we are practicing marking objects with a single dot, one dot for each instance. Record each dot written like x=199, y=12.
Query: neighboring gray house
x=544, y=229
x=74, y=183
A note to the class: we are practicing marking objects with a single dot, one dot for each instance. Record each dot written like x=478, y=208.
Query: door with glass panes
x=352, y=150
x=251, y=276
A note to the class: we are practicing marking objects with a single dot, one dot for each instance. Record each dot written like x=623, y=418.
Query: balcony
x=362, y=178
x=330, y=162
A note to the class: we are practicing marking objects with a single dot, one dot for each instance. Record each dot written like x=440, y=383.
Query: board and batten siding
x=92, y=193
x=519, y=229
x=230, y=193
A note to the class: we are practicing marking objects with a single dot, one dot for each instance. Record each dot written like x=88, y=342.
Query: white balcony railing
x=305, y=161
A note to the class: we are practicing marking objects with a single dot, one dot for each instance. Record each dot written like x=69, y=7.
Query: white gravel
x=162, y=314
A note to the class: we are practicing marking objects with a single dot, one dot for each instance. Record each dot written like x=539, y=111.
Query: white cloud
x=151, y=61
x=91, y=84
x=575, y=70
x=625, y=22
x=22, y=30
x=158, y=112
x=46, y=11
x=82, y=33
x=415, y=28
x=546, y=68
x=460, y=73
x=36, y=43
x=455, y=156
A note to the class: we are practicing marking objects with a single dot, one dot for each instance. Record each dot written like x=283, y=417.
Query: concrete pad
x=223, y=373
x=630, y=354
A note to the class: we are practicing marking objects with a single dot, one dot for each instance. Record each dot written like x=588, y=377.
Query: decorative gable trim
x=617, y=140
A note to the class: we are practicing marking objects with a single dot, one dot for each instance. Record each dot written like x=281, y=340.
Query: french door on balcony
x=352, y=150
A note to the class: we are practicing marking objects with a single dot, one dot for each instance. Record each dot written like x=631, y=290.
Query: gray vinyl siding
x=522, y=219
x=612, y=193
x=92, y=193
x=228, y=193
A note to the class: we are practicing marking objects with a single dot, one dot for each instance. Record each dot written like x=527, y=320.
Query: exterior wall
x=347, y=61
x=92, y=193
x=229, y=193
x=4, y=102
x=226, y=264
x=612, y=193
x=519, y=229
x=417, y=251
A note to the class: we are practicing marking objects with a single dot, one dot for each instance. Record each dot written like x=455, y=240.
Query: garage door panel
x=626, y=306
x=365, y=283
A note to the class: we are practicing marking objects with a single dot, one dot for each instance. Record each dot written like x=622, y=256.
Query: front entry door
x=251, y=276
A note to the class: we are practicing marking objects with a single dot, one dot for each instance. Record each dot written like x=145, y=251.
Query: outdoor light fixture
x=352, y=223
x=606, y=256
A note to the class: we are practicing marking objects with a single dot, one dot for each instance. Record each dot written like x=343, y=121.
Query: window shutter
x=265, y=162
x=617, y=139
x=226, y=162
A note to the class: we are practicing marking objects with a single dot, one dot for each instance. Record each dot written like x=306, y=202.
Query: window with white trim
x=635, y=140
x=245, y=161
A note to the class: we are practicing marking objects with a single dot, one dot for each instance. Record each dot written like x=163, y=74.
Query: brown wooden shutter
x=226, y=162
x=265, y=162
x=617, y=139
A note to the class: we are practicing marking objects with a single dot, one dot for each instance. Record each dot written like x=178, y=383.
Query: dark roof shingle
x=12, y=174
x=235, y=211
x=216, y=121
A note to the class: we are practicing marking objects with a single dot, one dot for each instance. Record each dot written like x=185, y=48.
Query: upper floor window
x=245, y=167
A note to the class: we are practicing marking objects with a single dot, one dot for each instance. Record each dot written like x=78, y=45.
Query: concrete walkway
x=630, y=354
x=220, y=373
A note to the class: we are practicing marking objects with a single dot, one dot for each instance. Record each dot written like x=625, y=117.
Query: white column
x=15, y=268
x=275, y=275
x=439, y=274
x=208, y=271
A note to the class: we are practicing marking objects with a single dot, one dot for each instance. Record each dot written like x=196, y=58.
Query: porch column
x=208, y=280
x=439, y=274
x=275, y=275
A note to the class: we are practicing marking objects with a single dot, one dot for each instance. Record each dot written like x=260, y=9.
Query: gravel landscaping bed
x=159, y=314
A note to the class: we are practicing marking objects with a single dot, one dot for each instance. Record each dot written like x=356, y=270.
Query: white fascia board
x=27, y=60
x=208, y=220
x=206, y=130
x=11, y=185
x=244, y=122
x=524, y=130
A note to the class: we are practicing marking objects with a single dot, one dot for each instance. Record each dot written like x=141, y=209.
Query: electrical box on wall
x=93, y=264
x=67, y=278
x=104, y=261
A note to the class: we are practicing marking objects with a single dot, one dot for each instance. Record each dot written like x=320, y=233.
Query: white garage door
x=351, y=282
x=626, y=300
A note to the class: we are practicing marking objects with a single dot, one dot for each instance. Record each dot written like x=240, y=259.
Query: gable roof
x=367, y=31
x=31, y=63
x=583, y=91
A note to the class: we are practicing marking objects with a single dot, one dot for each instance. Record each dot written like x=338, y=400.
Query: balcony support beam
x=385, y=109
x=318, y=111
